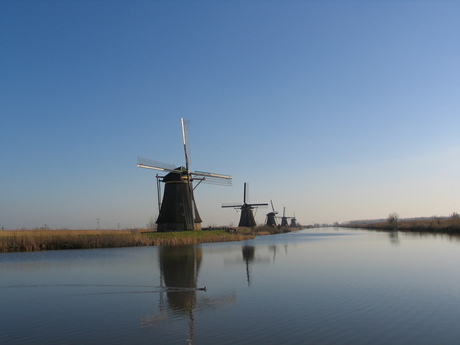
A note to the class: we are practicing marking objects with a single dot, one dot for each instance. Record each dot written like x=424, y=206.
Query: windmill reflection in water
x=179, y=295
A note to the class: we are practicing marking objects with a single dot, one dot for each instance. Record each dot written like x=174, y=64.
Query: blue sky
x=336, y=110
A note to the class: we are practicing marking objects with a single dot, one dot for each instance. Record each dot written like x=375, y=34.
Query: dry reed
x=435, y=225
x=35, y=240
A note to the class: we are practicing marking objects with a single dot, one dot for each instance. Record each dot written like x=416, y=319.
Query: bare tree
x=393, y=220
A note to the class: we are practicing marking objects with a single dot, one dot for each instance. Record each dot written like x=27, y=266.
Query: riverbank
x=432, y=225
x=38, y=240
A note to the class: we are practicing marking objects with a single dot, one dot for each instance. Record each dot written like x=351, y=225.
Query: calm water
x=317, y=286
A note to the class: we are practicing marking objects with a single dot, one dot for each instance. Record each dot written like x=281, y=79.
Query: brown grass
x=435, y=224
x=35, y=240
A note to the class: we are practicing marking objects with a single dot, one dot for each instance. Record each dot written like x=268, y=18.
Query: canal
x=314, y=286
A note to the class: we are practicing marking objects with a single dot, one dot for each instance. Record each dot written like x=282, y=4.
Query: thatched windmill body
x=247, y=216
x=178, y=210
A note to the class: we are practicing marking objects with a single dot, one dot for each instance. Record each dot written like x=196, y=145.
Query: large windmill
x=247, y=217
x=178, y=211
x=271, y=217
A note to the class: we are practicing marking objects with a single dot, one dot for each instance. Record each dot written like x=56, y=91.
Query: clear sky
x=336, y=110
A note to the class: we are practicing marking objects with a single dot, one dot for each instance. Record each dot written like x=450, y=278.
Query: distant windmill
x=271, y=217
x=247, y=217
x=293, y=222
x=284, y=219
x=178, y=211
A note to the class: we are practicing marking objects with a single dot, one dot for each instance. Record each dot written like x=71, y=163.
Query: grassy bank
x=435, y=225
x=36, y=240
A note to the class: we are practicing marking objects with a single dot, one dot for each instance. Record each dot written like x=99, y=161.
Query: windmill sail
x=213, y=178
x=151, y=164
x=185, y=134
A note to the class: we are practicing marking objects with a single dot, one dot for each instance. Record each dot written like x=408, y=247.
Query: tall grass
x=435, y=224
x=35, y=240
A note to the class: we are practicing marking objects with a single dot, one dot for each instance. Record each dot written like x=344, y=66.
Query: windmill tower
x=178, y=211
x=293, y=222
x=247, y=217
x=271, y=217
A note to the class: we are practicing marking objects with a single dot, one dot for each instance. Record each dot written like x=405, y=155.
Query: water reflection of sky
x=314, y=286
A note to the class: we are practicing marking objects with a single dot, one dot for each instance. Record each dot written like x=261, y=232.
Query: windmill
x=284, y=219
x=178, y=211
x=247, y=217
x=271, y=217
x=294, y=222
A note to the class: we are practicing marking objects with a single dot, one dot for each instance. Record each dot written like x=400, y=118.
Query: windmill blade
x=217, y=181
x=232, y=205
x=273, y=208
x=213, y=178
x=246, y=187
x=185, y=134
x=258, y=205
x=151, y=164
